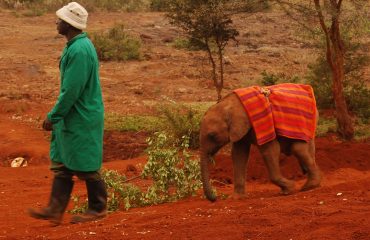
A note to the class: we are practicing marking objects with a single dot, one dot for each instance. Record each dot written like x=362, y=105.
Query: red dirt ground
x=29, y=50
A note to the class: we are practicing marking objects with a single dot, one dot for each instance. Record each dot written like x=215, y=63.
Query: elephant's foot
x=288, y=187
x=313, y=181
x=238, y=196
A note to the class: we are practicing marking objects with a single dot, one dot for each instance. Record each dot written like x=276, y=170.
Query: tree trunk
x=221, y=80
x=214, y=70
x=345, y=125
x=335, y=58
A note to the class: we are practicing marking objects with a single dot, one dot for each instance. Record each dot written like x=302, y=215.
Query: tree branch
x=326, y=32
x=287, y=6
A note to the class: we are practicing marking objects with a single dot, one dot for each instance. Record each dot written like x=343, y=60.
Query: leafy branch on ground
x=172, y=169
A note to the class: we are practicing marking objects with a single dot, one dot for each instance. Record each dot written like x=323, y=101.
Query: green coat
x=78, y=115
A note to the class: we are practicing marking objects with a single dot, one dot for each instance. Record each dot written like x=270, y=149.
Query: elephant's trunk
x=207, y=188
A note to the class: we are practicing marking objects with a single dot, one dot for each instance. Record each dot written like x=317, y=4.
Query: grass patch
x=188, y=44
x=329, y=125
x=176, y=119
x=114, y=121
x=362, y=131
x=325, y=126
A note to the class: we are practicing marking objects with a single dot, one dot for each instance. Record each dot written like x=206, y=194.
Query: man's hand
x=47, y=125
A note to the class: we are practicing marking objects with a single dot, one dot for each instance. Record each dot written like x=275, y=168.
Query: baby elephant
x=279, y=118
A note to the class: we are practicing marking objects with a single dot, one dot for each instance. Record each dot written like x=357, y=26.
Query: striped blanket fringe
x=287, y=110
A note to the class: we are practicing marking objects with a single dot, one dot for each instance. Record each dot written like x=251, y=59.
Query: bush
x=181, y=120
x=158, y=5
x=269, y=79
x=358, y=95
x=255, y=5
x=319, y=78
x=356, y=92
x=190, y=44
x=175, y=119
x=117, y=45
x=90, y=5
x=174, y=172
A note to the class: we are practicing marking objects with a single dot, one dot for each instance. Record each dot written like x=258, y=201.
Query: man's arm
x=74, y=80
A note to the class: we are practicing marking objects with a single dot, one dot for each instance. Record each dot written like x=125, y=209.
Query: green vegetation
x=181, y=120
x=190, y=44
x=118, y=122
x=116, y=44
x=173, y=171
x=171, y=165
x=362, y=131
x=269, y=79
x=356, y=93
x=325, y=126
x=159, y=5
x=175, y=119
x=329, y=125
x=43, y=6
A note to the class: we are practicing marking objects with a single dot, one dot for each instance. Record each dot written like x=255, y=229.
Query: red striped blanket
x=287, y=110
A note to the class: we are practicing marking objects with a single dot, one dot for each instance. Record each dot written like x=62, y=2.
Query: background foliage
x=116, y=44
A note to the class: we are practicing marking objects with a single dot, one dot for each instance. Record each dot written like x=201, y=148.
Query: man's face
x=62, y=27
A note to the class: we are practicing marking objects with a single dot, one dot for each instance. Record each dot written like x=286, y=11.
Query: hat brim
x=63, y=14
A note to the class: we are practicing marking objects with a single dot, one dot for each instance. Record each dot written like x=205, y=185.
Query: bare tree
x=328, y=14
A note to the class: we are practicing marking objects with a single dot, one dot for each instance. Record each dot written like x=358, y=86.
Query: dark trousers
x=96, y=189
x=61, y=171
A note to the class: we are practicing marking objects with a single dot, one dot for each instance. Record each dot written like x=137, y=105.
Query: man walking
x=76, y=122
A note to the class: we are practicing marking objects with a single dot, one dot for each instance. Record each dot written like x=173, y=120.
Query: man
x=76, y=122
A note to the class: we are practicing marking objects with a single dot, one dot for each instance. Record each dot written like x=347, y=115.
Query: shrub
x=326, y=125
x=117, y=45
x=255, y=5
x=181, y=120
x=356, y=92
x=269, y=79
x=90, y=5
x=174, y=172
x=357, y=96
x=190, y=44
x=175, y=119
x=158, y=5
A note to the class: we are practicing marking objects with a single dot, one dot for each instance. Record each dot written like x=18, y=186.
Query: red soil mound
x=330, y=156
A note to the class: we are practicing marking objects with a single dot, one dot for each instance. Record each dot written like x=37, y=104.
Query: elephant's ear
x=238, y=121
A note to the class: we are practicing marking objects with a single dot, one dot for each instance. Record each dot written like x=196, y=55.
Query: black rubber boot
x=59, y=198
x=97, y=202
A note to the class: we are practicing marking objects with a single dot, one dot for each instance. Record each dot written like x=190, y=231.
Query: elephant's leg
x=271, y=152
x=305, y=153
x=240, y=156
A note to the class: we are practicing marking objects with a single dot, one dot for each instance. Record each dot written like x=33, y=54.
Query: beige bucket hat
x=74, y=14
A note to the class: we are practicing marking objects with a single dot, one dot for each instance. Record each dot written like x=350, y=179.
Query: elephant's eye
x=212, y=136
